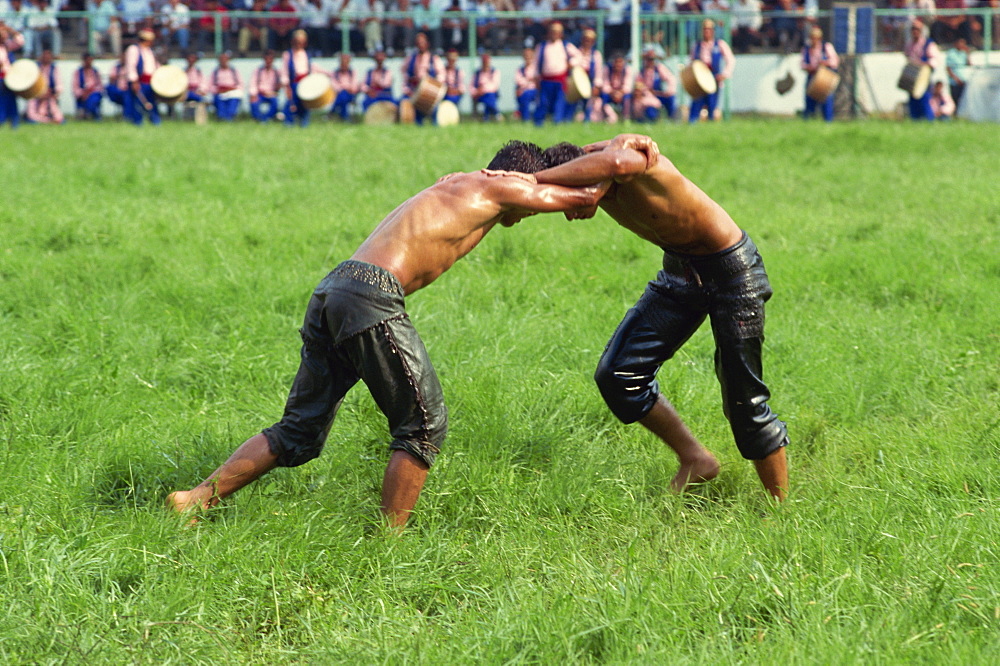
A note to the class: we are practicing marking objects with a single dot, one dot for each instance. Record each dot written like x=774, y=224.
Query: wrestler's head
x=561, y=153
x=518, y=156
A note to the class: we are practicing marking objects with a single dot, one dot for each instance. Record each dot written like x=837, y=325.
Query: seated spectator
x=45, y=108
x=134, y=16
x=785, y=32
x=281, y=27
x=176, y=21
x=264, y=85
x=253, y=30
x=347, y=86
x=486, y=89
x=216, y=17
x=227, y=89
x=88, y=89
x=747, y=22
x=454, y=28
x=377, y=86
x=427, y=19
x=399, y=31
x=489, y=32
x=942, y=104
x=43, y=26
x=315, y=17
x=958, y=64
x=105, y=28
x=373, y=26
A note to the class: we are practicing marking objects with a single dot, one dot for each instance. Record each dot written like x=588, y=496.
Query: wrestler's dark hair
x=519, y=156
x=561, y=153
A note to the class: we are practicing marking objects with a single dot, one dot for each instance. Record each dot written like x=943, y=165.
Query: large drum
x=381, y=113
x=407, y=114
x=428, y=95
x=578, y=85
x=698, y=80
x=915, y=79
x=170, y=83
x=824, y=83
x=447, y=114
x=24, y=79
x=315, y=91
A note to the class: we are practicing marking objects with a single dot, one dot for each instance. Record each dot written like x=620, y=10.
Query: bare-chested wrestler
x=710, y=268
x=356, y=327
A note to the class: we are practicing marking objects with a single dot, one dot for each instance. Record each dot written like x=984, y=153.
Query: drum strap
x=52, y=79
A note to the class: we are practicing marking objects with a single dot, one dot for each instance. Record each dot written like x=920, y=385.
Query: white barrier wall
x=752, y=88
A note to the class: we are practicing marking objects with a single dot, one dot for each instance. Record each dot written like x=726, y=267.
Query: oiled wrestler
x=711, y=269
x=356, y=328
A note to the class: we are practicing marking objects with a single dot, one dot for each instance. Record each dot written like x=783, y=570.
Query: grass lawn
x=151, y=286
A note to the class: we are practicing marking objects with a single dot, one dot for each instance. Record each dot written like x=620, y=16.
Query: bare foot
x=696, y=471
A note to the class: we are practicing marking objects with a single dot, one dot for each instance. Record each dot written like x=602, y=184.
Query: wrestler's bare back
x=662, y=206
x=426, y=234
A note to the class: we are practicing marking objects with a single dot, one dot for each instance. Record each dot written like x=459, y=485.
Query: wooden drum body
x=24, y=79
x=823, y=84
x=698, y=80
x=170, y=83
x=578, y=85
x=315, y=91
x=428, y=95
x=915, y=79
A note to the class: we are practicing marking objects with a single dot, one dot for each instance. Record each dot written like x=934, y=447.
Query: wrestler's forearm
x=594, y=168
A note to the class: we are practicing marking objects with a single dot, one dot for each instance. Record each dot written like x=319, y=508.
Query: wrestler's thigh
x=651, y=332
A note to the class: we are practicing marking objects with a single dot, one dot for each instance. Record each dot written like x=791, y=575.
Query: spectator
x=227, y=89
x=747, y=22
x=785, y=32
x=214, y=19
x=489, y=33
x=140, y=63
x=419, y=64
x=43, y=26
x=942, y=104
x=280, y=28
x=45, y=108
x=134, y=15
x=347, y=87
x=719, y=57
x=373, y=26
x=105, y=28
x=315, y=18
x=592, y=62
x=619, y=81
x=948, y=28
x=526, y=85
x=264, y=86
x=536, y=13
x=295, y=66
x=399, y=32
x=10, y=40
x=454, y=29
x=253, y=30
x=427, y=19
x=958, y=64
x=378, y=83
x=554, y=57
x=922, y=51
x=454, y=78
x=88, y=89
x=486, y=89
x=892, y=28
x=176, y=20
x=818, y=53
x=660, y=82
x=197, y=82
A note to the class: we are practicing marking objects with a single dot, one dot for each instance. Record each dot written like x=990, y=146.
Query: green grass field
x=151, y=287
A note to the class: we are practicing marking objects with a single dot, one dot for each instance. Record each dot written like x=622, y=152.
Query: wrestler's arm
x=515, y=192
x=621, y=165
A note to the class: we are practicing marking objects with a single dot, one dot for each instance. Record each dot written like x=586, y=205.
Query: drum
x=315, y=91
x=698, y=80
x=24, y=79
x=170, y=83
x=915, y=79
x=824, y=83
x=236, y=93
x=428, y=95
x=407, y=114
x=381, y=113
x=578, y=85
x=447, y=114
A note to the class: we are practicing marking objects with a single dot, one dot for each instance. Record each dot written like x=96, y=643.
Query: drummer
x=295, y=66
x=660, y=81
x=715, y=53
x=10, y=40
x=88, y=89
x=264, y=85
x=44, y=109
x=815, y=54
x=486, y=89
x=554, y=57
x=592, y=62
x=347, y=86
x=377, y=86
x=454, y=78
x=118, y=83
x=140, y=63
x=525, y=85
x=197, y=82
x=922, y=51
x=419, y=64
x=227, y=87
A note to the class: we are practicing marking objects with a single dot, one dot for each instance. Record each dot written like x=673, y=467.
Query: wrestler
x=356, y=328
x=710, y=268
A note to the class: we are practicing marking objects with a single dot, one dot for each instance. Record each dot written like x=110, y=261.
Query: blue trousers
x=134, y=109
x=669, y=104
x=826, y=107
x=342, y=103
x=264, y=108
x=524, y=102
x=91, y=105
x=707, y=102
x=226, y=109
x=551, y=101
x=489, y=102
x=920, y=108
x=8, y=107
x=301, y=113
x=116, y=95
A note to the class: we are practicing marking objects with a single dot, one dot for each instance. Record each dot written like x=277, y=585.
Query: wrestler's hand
x=639, y=142
x=596, y=147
